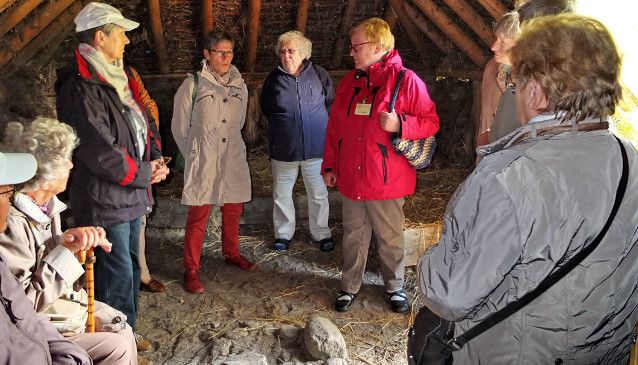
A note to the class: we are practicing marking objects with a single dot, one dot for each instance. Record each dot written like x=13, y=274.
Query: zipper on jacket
x=300, y=116
x=310, y=86
x=384, y=164
x=374, y=95
x=7, y=305
x=339, y=158
x=356, y=92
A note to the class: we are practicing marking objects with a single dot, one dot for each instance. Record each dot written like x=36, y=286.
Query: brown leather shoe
x=192, y=283
x=153, y=286
x=241, y=262
x=142, y=344
x=143, y=361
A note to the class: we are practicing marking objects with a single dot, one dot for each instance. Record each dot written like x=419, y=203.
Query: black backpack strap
x=495, y=318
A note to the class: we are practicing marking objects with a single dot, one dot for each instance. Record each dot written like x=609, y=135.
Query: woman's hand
x=389, y=121
x=159, y=171
x=330, y=179
x=84, y=238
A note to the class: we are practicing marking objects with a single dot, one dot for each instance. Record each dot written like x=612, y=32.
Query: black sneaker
x=326, y=244
x=281, y=244
x=399, y=301
x=344, y=301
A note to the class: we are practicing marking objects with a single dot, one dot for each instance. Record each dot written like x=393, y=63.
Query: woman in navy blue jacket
x=296, y=99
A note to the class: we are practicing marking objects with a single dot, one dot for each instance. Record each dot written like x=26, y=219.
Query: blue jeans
x=117, y=273
x=284, y=178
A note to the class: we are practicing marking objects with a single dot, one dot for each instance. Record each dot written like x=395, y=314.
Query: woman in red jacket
x=360, y=159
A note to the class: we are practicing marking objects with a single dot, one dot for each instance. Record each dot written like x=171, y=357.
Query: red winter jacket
x=358, y=150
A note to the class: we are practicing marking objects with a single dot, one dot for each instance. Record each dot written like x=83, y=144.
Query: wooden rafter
x=473, y=19
x=4, y=4
x=207, y=16
x=429, y=29
x=13, y=16
x=409, y=27
x=390, y=17
x=17, y=42
x=344, y=33
x=495, y=7
x=254, y=8
x=302, y=15
x=158, y=36
x=453, y=31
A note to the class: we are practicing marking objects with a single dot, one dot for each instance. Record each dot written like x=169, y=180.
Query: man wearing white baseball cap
x=119, y=155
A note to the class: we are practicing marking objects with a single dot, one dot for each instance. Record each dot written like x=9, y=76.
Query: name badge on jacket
x=362, y=109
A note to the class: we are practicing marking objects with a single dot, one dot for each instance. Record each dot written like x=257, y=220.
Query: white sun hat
x=96, y=14
x=16, y=167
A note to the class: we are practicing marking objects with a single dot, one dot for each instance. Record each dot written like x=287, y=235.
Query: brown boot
x=192, y=283
x=241, y=262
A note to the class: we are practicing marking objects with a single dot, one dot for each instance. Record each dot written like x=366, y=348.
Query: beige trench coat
x=216, y=169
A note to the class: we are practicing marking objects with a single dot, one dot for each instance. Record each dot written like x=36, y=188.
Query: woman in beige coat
x=208, y=134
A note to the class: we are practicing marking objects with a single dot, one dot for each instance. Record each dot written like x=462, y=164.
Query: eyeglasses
x=9, y=192
x=221, y=53
x=289, y=51
x=355, y=47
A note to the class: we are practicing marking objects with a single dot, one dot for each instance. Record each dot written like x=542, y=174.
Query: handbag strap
x=458, y=342
x=396, y=91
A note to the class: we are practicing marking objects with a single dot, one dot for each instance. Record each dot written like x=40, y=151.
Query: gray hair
x=48, y=140
x=88, y=36
x=304, y=44
x=508, y=25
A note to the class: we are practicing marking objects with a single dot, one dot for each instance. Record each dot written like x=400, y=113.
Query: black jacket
x=110, y=183
x=297, y=110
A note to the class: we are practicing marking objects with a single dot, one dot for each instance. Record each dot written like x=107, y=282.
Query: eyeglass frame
x=9, y=192
x=289, y=51
x=355, y=47
x=222, y=53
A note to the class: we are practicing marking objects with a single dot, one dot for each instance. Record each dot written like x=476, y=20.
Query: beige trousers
x=109, y=348
x=146, y=276
x=386, y=219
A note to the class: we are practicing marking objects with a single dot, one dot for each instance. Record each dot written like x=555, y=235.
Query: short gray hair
x=303, y=43
x=48, y=140
x=508, y=25
x=88, y=36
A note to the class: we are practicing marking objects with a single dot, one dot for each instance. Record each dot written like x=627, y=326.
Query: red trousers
x=196, y=227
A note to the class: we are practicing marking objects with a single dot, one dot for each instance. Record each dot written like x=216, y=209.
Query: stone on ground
x=323, y=339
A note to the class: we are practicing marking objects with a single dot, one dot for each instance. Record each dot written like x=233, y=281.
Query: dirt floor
x=265, y=311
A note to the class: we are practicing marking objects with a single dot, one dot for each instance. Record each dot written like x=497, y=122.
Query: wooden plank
x=409, y=27
x=429, y=29
x=207, y=16
x=344, y=33
x=495, y=7
x=13, y=16
x=473, y=19
x=254, y=8
x=390, y=17
x=453, y=31
x=302, y=15
x=158, y=35
x=17, y=43
x=4, y=4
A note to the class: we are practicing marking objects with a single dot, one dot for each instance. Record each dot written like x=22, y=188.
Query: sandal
x=281, y=244
x=344, y=301
x=399, y=301
x=326, y=244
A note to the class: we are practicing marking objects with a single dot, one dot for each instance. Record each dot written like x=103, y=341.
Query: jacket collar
x=305, y=62
x=235, y=80
x=25, y=205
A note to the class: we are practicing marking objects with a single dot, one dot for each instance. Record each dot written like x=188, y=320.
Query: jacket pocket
x=384, y=162
x=339, y=158
x=356, y=92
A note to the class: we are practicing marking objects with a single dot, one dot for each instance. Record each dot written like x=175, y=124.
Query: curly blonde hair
x=575, y=61
x=48, y=140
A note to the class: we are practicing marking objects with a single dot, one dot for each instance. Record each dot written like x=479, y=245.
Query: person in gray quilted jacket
x=538, y=197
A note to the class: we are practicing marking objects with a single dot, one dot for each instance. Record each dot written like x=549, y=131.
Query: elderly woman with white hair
x=42, y=257
x=296, y=99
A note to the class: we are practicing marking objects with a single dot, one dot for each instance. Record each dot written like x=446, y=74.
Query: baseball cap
x=16, y=167
x=96, y=14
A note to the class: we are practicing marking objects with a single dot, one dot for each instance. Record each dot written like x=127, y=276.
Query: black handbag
x=431, y=338
x=418, y=152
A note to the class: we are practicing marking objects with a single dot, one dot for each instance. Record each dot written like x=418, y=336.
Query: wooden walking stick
x=88, y=259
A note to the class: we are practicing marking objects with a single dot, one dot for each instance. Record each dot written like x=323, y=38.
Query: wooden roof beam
x=495, y=7
x=13, y=16
x=409, y=27
x=453, y=31
x=344, y=33
x=158, y=36
x=207, y=16
x=302, y=15
x=254, y=8
x=17, y=42
x=390, y=17
x=429, y=29
x=473, y=19
x=4, y=4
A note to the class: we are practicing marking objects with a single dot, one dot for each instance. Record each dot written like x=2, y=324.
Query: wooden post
x=453, y=31
x=254, y=7
x=428, y=28
x=344, y=33
x=207, y=16
x=47, y=38
x=302, y=15
x=18, y=42
x=389, y=16
x=158, y=36
x=409, y=27
x=4, y=4
x=495, y=7
x=473, y=19
x=13, y=16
